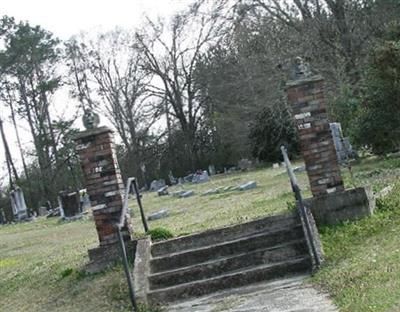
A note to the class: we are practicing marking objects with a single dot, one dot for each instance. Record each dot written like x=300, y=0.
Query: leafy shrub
x=66, y=272
x=344, y=108
x=377, y=124
x=273, y=127
x=160, y=234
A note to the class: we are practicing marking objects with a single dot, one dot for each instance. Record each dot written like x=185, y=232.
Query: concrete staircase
x=233, y=256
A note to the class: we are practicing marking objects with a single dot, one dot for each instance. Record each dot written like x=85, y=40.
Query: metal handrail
x=121, y=222
x=129, y=182
x=301, y=207
x=139, y=201
x=120, y=225
x=124, y=257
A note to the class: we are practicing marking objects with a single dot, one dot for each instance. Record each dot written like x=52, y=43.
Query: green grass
x=40, y=266
x=157, y=234
x=40, y=262
x=362, y=269
x=198, y=213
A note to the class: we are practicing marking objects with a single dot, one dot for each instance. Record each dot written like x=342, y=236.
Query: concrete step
x=225, y=249
x=214, y=267
x=230, y=280
x=224, y=234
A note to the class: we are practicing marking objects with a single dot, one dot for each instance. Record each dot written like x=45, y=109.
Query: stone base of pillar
x=349, y=205
x=104, y=256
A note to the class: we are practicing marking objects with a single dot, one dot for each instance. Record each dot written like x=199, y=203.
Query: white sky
x=67, y=18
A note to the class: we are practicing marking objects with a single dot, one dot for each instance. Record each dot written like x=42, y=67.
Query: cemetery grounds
x=40, y=261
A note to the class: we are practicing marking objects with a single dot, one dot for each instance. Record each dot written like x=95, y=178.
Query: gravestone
x=177, y=193
x=307, y=101
x=158, y=215
x=70, y=205
x=156, y=185
x=188, y=178
x=299, y=169
x=213, y=191
x=245, y=164
x=186, y=194
x=43, y=211
x=343, y=147
x=105, y=187
x=85, y=200
x=247, y=186
x=211, y=170
x=172, y=179
x=18, y=204
x=201, y=177
x=163, y=191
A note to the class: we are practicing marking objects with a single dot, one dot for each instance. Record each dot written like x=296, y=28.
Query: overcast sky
x=68, y=17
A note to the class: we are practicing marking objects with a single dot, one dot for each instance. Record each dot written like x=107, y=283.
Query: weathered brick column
x=307, y=100
x=103, y=182
x=330, y=203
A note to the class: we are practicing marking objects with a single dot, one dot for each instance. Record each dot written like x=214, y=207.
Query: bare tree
x=336, y=30
x=106, y=75
x=171, y=53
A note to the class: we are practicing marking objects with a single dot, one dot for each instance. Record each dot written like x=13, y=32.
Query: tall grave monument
x=103, y=181
x=18, y=204
x=331, y=203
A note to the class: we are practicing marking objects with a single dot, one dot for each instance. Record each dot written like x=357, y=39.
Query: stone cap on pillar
x=302, y=74
x=90, y=132
x=302, y=81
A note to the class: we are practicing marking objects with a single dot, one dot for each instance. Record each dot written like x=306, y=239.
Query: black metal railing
x=121, y=222
x=308, y=231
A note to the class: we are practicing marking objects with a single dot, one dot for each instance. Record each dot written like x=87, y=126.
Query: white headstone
x=211, y=170
x=156, y=185
x=343, y=147
x=18, y=204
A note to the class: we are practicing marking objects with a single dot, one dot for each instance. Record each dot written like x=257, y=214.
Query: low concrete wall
x=103, y=256
x=141, y=269
x=350, y=205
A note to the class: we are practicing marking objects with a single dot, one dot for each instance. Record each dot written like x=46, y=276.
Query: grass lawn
x=40, y=261
x=197, y=213
x=362, y=269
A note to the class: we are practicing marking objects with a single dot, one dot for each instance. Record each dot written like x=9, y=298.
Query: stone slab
x=90, y=132
x=141, y=269
x=158, y=215
x=247, y=186
x=163, y=191
x=186, y=194
x=349, y=205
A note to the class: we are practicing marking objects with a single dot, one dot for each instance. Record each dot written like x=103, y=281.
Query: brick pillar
x=103, y=182
x=307, y=100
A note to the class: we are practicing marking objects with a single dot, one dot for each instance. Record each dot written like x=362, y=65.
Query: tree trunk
x=10, y=163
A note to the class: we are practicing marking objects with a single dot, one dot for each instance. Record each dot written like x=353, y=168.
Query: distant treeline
x=205, y=87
